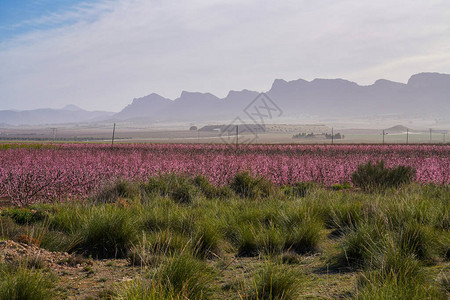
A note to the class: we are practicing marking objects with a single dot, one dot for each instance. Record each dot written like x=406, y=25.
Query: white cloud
x=114, y=51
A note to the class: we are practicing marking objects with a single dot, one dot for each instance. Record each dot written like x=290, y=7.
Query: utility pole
x=407, y=135
x=114, y=132
x=54, y=131
x=237, y=135
x=332, y=135
x=430, y=135
x=383, y=136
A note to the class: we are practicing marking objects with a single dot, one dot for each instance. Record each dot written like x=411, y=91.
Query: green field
x=179, y=238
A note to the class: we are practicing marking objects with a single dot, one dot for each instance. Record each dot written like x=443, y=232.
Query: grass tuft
x=107, y=232
x=248, y=186
x=22, y=283
x=272, y=282
x=374, y=177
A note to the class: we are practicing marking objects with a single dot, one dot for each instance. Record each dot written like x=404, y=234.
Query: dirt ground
x=83, y=278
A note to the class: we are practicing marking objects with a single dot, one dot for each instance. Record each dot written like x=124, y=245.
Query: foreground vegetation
x=187, y=239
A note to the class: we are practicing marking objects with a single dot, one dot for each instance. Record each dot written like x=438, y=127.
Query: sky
x=100, y=54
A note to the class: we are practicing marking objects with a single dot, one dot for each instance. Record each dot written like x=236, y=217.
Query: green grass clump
x=345, y=215
x=246, y=241
x=9, y=230
x=183, y=193
x=299, y=189
x=373, y=177
x=375, y=288
x=24, y=216
x=396, y=275
x=360, y=245
x=271, y=240
x=248, y=186
x=141, y=254
x=304, y=237
x=146, y=290
x=68, y=217
x=175, y=186
x=107, y=232
x=339, y=186
x=119, y=189
x=209, y=190
x=206, y=239
x=17, y=283
x=167, y=242
x=271, y=282
x=184, y=275
x=418, y=240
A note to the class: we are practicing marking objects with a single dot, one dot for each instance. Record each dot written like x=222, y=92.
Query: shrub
x=371, y=177
x=107, y=232
x=22, y=283
x=272, y=282
x=247, y=186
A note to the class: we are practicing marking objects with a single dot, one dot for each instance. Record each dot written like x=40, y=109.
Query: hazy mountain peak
x=242, y=92
x=333, y=82
x=281, y=83
x=149, y=98
x=72, y=107
x=185, y=95
x=278, y=83
x=427, y=79
x=387, y=83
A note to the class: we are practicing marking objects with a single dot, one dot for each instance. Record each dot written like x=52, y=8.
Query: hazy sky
x=102, y=54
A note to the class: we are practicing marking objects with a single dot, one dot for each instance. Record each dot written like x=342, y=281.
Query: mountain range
x=424, y=95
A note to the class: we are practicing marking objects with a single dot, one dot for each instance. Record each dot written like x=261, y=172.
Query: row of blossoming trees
x=61, y=172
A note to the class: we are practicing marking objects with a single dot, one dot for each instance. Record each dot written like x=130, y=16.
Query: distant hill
x=425, y=94
x=69, y=114
x=397, y=129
